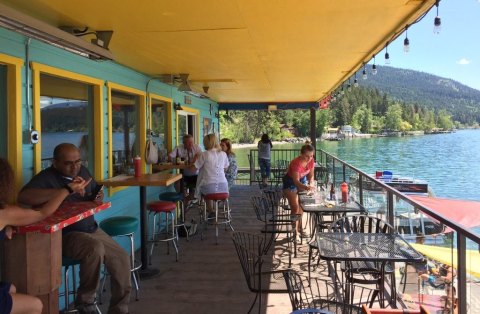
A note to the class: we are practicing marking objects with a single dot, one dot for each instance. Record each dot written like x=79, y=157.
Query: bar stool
x=168, y=209
x=180, y=216
x=69, y=263
x=123, y=226
x=221, y=217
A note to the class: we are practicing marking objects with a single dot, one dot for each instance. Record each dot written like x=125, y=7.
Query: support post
x=313, y=128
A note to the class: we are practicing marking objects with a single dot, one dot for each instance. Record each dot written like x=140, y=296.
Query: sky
x=454, y=53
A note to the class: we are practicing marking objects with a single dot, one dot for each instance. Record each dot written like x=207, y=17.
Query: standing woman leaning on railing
x=11, y=215
x=299, y=177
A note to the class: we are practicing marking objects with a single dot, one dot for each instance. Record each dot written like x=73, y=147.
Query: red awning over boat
x=465, y=213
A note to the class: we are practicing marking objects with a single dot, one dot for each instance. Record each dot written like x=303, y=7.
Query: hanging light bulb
x=437, y=23
x=406, y=42
x=374, y=67
x=355, y=81
x=364, y=73
x=349, y=86
x=342, y=91
x=387, y=55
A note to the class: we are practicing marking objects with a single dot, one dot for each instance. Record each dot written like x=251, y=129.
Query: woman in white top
x=211, y=165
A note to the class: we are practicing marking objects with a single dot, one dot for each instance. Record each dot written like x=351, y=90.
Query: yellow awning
x=447, y=255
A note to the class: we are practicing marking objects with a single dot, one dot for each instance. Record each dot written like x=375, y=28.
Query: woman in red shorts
x=299, y=177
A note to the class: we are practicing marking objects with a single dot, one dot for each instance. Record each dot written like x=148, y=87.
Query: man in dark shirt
x=83, y=240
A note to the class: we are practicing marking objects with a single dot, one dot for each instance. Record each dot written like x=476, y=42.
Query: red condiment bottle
x=344, y=188
x=137, y=166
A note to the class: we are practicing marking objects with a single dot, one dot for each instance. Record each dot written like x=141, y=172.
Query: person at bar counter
x=11, y=215
x=188, y=152
x=299, y=177
x=82, y=240
x=211, y=164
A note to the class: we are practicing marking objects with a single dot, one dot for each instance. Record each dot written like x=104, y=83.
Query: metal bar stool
x=69, y=263
x=180, y=215
x=123, y=226
x=168, y=209
x=221, y=217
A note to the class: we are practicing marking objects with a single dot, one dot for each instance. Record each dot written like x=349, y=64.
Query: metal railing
x=407, y=216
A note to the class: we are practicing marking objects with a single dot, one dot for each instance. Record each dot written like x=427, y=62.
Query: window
x=67, y=109
x=160, y=124
x=127, y=127
x=65, y=116
x=187, y=123
x=3, y=111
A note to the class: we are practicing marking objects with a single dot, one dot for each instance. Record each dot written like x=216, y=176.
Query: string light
x=342, y=91
x=355, y=81
x=374, y=67
x=437, y=23
x=364, y=73
x=387, y=55
x=406, y=42
x=349, y=86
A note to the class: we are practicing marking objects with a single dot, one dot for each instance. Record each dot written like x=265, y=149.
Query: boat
x=408, y=220
x=406, y=185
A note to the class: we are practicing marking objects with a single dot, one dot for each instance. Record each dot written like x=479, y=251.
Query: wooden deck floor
x=208, y=278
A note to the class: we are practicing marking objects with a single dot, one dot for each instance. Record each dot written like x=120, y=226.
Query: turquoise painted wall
x=125, y=202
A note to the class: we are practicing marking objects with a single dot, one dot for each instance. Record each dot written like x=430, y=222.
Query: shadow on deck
x=207, y=278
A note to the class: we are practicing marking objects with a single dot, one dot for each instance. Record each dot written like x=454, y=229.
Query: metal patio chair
x=251, y=254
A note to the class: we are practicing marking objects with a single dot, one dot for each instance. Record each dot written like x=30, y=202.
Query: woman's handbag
x=151, y=153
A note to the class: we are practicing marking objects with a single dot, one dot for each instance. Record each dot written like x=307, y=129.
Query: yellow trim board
x=14, y=118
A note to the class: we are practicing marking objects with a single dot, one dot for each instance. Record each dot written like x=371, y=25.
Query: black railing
x=382, y=199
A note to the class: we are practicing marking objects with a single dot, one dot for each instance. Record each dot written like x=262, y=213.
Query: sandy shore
x=255, y=144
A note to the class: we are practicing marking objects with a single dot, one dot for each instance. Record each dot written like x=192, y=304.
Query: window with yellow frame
x=127, y=129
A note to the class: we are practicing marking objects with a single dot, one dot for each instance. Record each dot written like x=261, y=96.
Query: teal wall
x=125, y=202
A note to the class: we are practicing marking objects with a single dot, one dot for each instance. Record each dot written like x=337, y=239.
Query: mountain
x=428, y=90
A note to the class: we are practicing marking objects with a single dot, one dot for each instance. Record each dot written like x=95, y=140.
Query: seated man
x=83, y=240
x=189, y=153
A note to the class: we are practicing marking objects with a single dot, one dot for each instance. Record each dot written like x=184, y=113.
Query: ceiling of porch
x=245, y=50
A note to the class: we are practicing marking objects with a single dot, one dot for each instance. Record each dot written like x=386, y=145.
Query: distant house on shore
x=291, y=130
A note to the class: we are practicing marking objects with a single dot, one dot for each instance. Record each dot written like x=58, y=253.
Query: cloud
x=463, y=61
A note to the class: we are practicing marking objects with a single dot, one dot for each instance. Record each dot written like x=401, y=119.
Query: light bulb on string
x=387, y=55
x=374, y=67
x=342, y=91
x=349, y=86
x=355, y=81
x=406, y=42
x=437, y=22
x=364, y=73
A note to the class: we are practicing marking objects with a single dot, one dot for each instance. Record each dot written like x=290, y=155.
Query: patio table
x=144, y=180
x=367, y=247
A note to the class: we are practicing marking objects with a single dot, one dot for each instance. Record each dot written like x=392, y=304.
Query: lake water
x=448, y=162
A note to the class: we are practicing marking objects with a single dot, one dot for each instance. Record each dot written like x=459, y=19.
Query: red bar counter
x=33, y=258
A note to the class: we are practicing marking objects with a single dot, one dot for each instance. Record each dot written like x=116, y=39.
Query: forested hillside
x=424, y=89
x=392, y=100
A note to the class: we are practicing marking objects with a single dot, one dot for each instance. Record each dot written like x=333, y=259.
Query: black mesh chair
x=251, y=253
x=365, y=272
x=279, y=169
x=321, y=294
x=276, y=221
